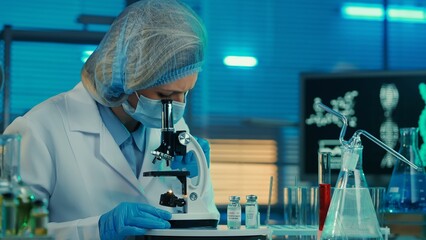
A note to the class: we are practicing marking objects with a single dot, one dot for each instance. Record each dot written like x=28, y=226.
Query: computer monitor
x=380, y=102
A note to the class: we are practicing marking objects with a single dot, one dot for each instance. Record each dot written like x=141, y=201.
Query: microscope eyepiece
x=170, y=144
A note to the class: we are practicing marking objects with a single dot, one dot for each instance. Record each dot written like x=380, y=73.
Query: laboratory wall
x=287, y=37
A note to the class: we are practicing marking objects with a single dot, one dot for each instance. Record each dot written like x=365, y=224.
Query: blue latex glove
x=189, y=161
x=130, y=219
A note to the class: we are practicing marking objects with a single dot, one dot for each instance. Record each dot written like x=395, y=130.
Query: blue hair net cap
x=150, y=43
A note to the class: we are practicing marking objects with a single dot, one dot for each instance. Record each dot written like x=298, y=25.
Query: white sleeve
x=78, y=229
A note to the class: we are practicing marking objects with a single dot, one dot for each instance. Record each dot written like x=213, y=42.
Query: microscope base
x=191, y=223
x=193, y=220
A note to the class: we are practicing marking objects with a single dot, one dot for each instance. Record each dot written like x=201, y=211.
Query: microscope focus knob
x=184, y=138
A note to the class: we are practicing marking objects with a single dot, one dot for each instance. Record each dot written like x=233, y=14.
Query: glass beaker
x=407, y=189
x=351, y=214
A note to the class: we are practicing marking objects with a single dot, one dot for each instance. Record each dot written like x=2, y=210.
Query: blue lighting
x=85, y=55
x=240, y=61
x=407, y=14
x=376, y=12
x=363, y=11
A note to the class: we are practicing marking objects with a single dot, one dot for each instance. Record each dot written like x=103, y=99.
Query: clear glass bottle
x=407, y=189
x=9, y=213
x=252, y=212
x=234, y=213
x=39, y=218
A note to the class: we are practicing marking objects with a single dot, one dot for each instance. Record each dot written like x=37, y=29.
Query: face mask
x=148, y=111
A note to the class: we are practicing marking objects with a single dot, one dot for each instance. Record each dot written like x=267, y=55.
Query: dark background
x=368, y=110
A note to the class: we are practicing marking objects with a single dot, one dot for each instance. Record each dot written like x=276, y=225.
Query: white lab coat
x=69, y=157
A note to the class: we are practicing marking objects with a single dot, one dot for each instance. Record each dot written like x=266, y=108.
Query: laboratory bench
x=220, y=233
x=406, y=225
x=263, y=233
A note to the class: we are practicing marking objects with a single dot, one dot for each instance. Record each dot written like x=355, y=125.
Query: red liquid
x=324, y=202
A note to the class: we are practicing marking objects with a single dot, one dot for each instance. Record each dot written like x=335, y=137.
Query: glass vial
x=39, y=218
x=9, y=212
x=252, y=212
x=324, y=168
x=234, y=213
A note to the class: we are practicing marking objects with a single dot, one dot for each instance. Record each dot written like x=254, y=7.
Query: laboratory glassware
x=324, y=182
x=378, y=198
x=10, y=180
x=25, y=198
x=9, y=158
x=407, y=188
x=39, y=218
x=351, y=214
x=251, y=212
x=9, y=149
x=9, y=212
x=233, y=213
x=312, y=206
x=351, y=173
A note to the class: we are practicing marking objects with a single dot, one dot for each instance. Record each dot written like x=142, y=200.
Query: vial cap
x=251, y=197
x=234, y=198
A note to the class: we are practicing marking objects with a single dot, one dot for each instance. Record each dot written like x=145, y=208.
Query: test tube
x=324, y=181
x=324, y=170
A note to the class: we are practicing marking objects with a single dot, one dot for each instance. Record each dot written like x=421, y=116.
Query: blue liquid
x=406, y=193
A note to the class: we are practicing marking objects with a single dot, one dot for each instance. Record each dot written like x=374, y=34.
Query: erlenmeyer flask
x=407, y=189
x=351, y=214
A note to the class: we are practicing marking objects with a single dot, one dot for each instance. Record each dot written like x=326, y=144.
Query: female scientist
x=85, y=150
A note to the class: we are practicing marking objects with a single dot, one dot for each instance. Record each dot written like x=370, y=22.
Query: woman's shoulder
x=58, y=108
x=60, y=103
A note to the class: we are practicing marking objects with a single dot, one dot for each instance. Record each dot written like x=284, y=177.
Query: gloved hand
x=189, y=162
x=130, y=219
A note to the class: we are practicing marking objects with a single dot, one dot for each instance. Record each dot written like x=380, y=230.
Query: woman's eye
x=161, y=95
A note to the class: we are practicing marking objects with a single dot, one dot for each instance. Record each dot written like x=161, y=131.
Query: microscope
x=196, y=216
x=193, y=211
